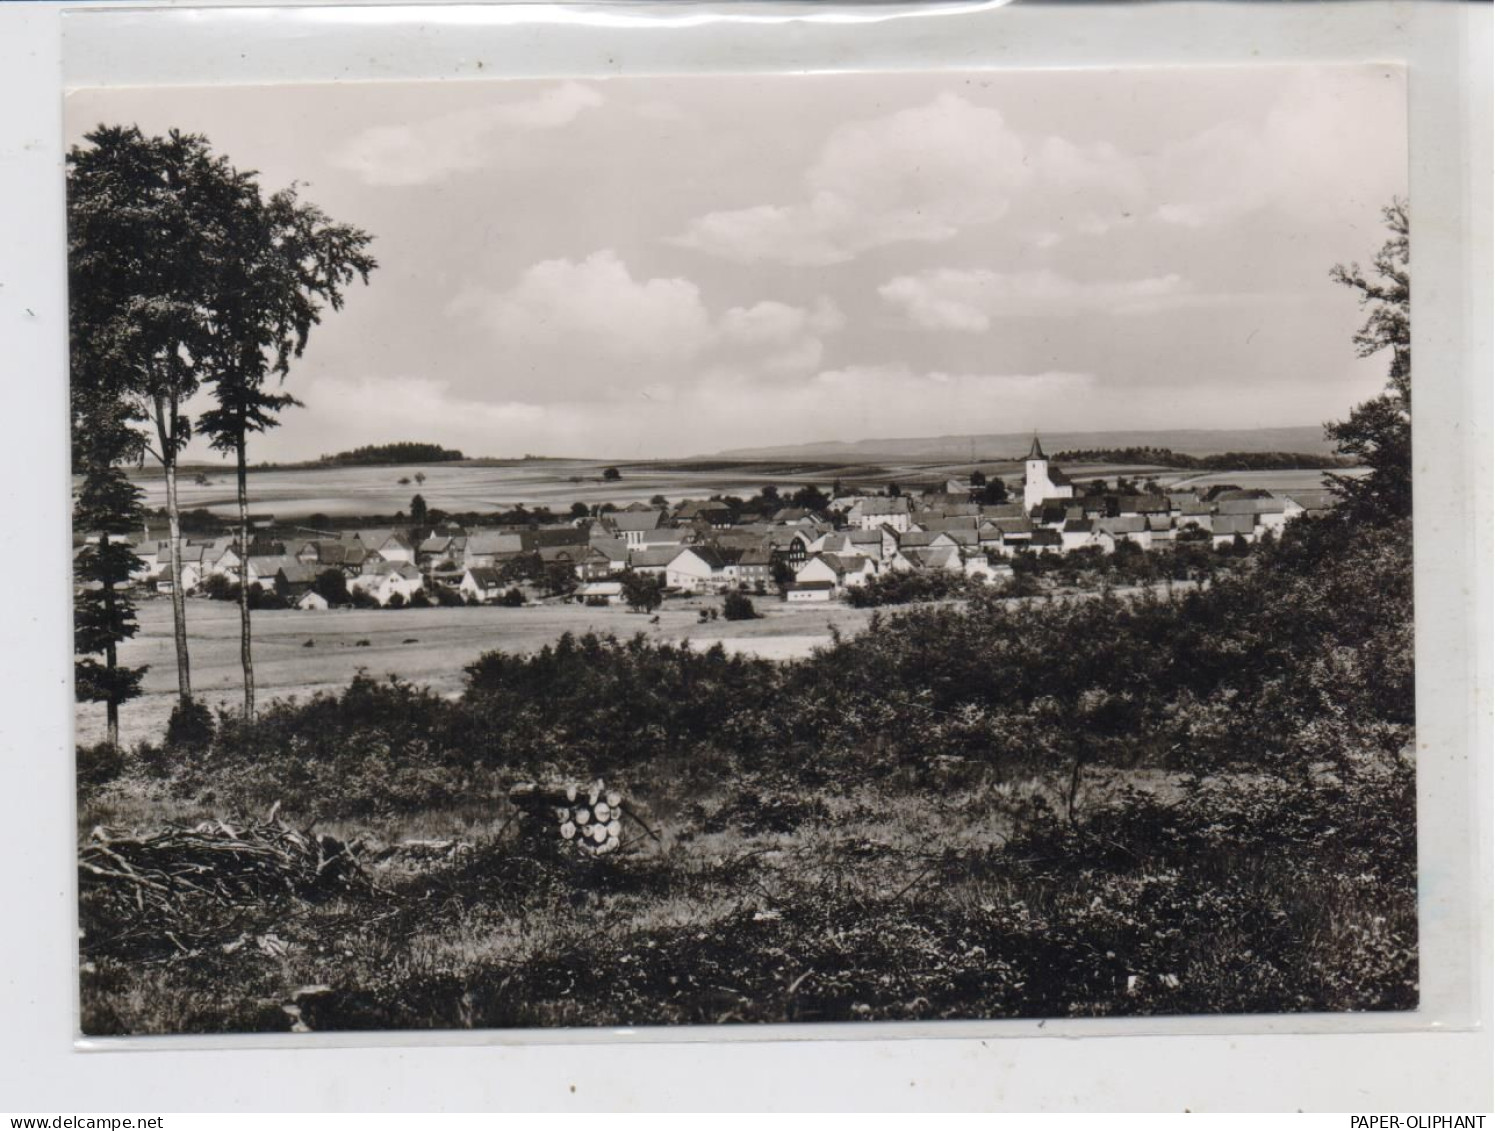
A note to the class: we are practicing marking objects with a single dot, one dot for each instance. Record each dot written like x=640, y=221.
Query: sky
x=670, y=266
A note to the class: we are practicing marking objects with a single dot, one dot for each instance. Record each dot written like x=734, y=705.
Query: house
x=652, y=563
x=480, y=583
x=1045, y=542
x=713, y=515
x=191, y=578
x=810, y=591
x=981, y=567
x=1225, y=528
x=633, y=526
x=391, y=545
x=796, y=548
x=1040, y=481
x=848, y=572
x=696, y=569
x=753, y=568
x=1270, y=513
x=312, y=600
x=222, y=559
x=1127, y=528
x=294, y=579
x=601, y=592
x=662, y=537
x=261, y=570
x=385, y=580
x=874, y=511
x=601, y=559
x=1313, y=500
x=436, y=549
x=1077, y=533
x=492, y=547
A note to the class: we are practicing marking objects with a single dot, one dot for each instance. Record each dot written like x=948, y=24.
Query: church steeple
x=1036, y=451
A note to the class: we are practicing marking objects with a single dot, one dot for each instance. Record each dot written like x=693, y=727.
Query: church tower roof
x=1036, y=451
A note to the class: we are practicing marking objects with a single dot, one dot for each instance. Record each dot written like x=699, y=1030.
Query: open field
x=484, y=488
x=425, y=646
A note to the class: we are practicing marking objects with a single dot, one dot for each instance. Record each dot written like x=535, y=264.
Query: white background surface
x=1447, y=47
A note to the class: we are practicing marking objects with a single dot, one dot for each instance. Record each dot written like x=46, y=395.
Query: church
x=1040, y=482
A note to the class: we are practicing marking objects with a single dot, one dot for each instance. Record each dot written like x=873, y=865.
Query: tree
x=611, y=474
x=420, y=478
x=418, y=510
x=659, y=501
x=107, y=506
x=894, y=490
x=580, y=510
x=559, y=579
x=738, y=606
x=978, y=478
x=144, y=218
x=993, y=493
x=810, y=498
x=332, y=586
x=643, y=593
x=1378, y=433
x=103, y=614
x=281, y=263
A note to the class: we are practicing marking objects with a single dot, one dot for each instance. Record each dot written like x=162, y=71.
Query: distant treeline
x=1226, y=461
x=407, y=451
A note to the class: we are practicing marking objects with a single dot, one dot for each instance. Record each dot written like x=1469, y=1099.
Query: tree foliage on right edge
x=1378, y=433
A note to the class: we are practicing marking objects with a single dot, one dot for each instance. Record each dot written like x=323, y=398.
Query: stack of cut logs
x=586, y=819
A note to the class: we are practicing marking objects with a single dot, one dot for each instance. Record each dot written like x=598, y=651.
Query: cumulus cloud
x=437, y=147
x=597, y=306
x=1294, y=158
x=596, y=301
x=968, y=300
x=919, y=175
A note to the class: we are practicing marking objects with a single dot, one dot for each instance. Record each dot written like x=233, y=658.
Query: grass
x=446, y=641
x=763, y=903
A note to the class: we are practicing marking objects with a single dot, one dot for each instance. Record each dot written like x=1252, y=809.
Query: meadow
x=428, y=646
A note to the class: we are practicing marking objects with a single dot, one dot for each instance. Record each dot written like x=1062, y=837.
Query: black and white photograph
x=743, y=549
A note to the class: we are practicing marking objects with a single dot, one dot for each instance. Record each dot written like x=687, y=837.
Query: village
x=802, y=554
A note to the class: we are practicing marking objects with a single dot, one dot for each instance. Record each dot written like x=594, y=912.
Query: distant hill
x=942, y=449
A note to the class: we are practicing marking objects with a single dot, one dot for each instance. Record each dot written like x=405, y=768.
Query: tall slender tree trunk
x=244, y=638
x=111, y=705
x=178, y=597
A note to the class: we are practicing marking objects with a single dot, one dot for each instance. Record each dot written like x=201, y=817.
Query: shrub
x=99, y=765
x=396, y=601
x=513, y=599
x=738, y=606
x=190, y=726
x=420, y=600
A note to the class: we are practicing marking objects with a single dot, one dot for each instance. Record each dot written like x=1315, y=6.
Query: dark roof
x=1046, y=538
x=636, y=520
x=1036, y=451
x=565, y=535
x=713, y=557
x=485, y=576
x=1233, y=524
x=818, y=586
x=297, y=573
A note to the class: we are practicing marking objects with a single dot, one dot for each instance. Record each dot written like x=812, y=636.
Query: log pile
x=586, y=820
x=219, y=862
